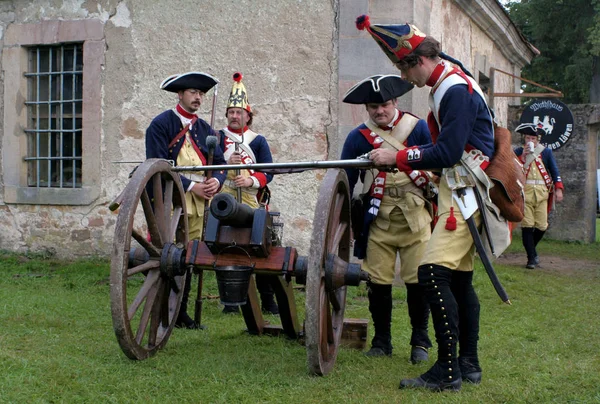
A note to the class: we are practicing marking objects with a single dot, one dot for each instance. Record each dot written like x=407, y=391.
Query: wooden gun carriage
x=152, y=254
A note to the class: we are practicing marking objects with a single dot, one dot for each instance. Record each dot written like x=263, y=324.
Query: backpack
x=506, y=172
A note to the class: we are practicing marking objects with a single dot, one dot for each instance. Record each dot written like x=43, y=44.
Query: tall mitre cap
x=196, y=80
x=396, y=41
x=238, y=98
x=377, y=89
x=529, y=128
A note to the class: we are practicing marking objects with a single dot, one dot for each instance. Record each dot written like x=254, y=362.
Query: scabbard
x=484, y=223
x=485, y=260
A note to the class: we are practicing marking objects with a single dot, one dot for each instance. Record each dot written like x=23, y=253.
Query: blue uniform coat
x=165, y=127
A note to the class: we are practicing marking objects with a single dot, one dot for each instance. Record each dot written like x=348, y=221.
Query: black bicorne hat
x=377, y=89
x=196, y=80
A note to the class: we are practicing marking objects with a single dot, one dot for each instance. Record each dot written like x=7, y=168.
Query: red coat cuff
x=559, y=185
x=262, y=179
x=402, y=160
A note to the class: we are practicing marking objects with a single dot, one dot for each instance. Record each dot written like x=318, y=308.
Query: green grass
x=57, y=345
x=565, y=249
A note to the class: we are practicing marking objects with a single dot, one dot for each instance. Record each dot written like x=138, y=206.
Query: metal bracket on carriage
x=286, y=268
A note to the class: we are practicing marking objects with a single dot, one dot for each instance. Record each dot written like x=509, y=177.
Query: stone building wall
x=286, y=51
x=297, y=57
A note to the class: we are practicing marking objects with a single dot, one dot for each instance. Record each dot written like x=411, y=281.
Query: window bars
x=54, y=110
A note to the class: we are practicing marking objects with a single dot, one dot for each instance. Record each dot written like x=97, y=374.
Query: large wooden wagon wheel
x=147, y=274
x=325, y=307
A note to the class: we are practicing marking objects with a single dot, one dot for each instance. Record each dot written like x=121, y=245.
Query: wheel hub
x=172, y=260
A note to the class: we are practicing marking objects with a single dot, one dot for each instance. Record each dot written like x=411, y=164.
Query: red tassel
x=237, y=77
x=363, y=22
x=451, y=221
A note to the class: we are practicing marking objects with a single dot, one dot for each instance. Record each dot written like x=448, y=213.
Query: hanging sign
x=553, y=118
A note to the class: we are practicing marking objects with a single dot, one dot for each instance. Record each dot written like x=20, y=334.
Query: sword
x=485, y=260
x=484, y=222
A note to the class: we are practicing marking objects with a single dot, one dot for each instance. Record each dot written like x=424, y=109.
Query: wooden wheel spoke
x=333, y=299
x=175, y=222
x=151, y=220
x=153, y=251
x=143, y=267
x=337, y=208
x=150, y=280
x=168, y=200
x=145, y=317
x=337, y=237
x=334, y=220
x=168, y=298
x=159, y=206
x=156, y=311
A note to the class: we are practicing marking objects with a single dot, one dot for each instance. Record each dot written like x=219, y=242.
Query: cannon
x=152, y=255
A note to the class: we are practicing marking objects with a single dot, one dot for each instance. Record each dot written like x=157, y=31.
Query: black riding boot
x=529, y=244
x=418, y=311
x=266, y=295
x=468, y=325
x=445, y=373
x=537, y=237
x=380, y=306
x=183, y=319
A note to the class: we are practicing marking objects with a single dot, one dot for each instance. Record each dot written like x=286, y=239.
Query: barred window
x=54, y=116
x=52, y=124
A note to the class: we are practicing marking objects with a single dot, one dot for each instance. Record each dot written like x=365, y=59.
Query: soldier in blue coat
x=462, y=131
x=396, y=217
x=178, y=134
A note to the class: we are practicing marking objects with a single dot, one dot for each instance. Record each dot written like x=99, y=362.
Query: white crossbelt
x=535, y=182
x=231, y=184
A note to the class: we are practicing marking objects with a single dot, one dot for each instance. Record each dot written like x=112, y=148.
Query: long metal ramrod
x=289, y=167
x=362, y=161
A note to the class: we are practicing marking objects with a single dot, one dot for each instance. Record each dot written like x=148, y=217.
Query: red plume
x=237, y=77
x=363, y=22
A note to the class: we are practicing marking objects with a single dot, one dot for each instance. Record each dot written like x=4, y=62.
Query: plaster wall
x=298, y=58
x=286, y=51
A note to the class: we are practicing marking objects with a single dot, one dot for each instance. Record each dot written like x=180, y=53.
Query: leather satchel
x=506, y=171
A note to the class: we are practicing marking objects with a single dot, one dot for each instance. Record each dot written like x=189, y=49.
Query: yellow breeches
x=536, y=207
x=453, y=249
x=389, y=236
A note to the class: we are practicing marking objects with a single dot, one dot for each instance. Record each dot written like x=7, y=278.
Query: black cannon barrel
x=230, y=212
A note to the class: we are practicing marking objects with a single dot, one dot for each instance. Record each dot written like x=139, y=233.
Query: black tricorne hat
x=529, y=128
x=196, y=80
x=377, y=89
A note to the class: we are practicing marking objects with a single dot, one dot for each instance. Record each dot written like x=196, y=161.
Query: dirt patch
x=551, y=263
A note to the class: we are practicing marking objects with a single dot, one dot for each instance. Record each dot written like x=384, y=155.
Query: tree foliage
x=567, y=34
